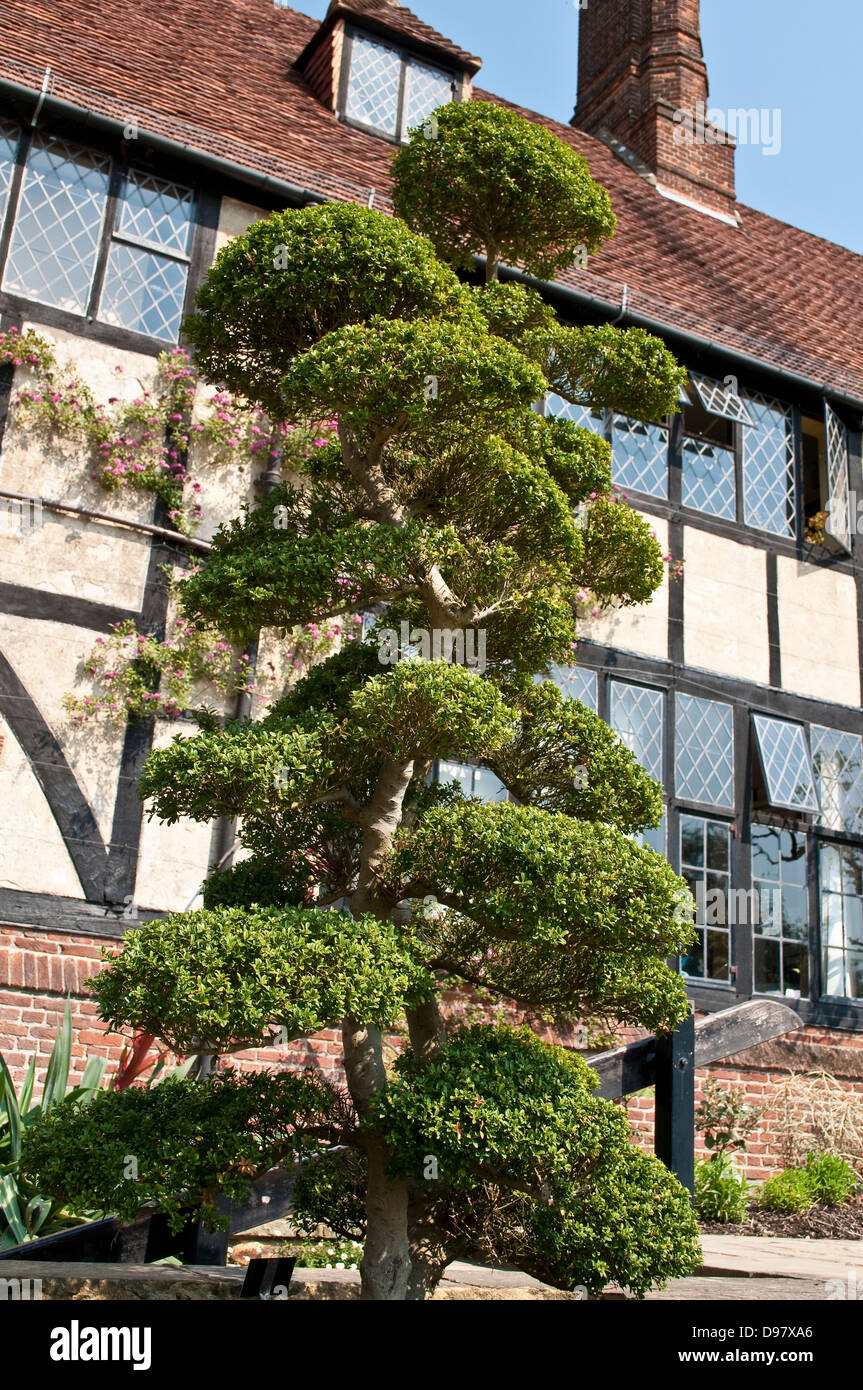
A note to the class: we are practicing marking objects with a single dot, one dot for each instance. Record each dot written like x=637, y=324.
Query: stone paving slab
x=747, y=1290
x=765, y=1256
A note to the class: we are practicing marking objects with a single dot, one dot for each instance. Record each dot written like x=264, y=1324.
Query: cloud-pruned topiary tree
x=367, y=891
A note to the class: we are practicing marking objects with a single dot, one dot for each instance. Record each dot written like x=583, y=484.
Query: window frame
x=825, y=844
x=406, y=56
x=119, y=172
x=819, y=1008
x=727, y=823
x=777, y=827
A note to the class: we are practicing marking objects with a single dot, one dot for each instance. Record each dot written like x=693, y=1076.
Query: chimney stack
x=642, y=79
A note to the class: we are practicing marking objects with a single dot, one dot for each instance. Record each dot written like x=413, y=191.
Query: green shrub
x=831, y=1180
x=825, y=1178
x=787, y=1192
x=721, y=1193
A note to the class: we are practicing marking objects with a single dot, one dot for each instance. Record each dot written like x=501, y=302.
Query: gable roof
x=403, y=21
x=223, y=80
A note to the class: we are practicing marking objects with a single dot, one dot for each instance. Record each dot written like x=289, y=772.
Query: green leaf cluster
x=494, y=183
x=189, y=1141
x=224, y=979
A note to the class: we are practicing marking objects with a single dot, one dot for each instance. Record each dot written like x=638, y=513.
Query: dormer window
x=388, y=90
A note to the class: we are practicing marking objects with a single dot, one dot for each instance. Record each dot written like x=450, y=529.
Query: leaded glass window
x=639, y=456
x=705, y=863
x=768, y=467
x=584, y=415
x=781, y=911
x=9, y=137
x=841, y=873
x=55, y=240
x=373, y=84
x=837, y=760
x=704, y=762
x=708, y=478
x=145, y=280
x=426, y=88
x=473, y=781
x=576, y=683
x=838, y=508
x=637, y=716
x=390, y=91
x=718, y=400
x=785, y=763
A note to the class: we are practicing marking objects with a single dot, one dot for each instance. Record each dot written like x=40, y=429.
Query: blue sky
x=798, y=57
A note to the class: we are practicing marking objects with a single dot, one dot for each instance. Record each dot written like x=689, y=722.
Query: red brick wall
x=39, y=968
x=639, y=62
x=758, y=1074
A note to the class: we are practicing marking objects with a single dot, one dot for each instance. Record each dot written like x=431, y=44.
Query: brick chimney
x=642, y=81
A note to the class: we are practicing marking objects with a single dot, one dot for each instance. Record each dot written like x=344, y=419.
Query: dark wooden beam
x=674, y=1129
x=632, y=1068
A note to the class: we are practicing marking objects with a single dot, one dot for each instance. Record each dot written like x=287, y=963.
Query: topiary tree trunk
x=367, y=891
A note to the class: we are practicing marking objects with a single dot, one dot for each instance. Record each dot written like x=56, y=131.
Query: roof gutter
x=175, y=148
x=665, y=330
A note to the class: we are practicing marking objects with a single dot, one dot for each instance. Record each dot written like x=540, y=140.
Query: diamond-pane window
x=704, y=763
x=144, y=292
x=373, y=84
x=708, y=478
x=838, y=510
x=841, y=874
x=637, y=716
x=837, y=759
x=425, y=89
x=583, y=415
x=576, y=683
x=156, y=214
x=780, y=911
x=705, y=863
x=639, y=456
x=718, y=400
x=768, y=467
x=55, y=242
x=9, y=136
x=145, y=279
x=786, y=764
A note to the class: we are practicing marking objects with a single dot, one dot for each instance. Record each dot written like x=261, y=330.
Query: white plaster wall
x=33, y=858
x=643, y=629
x=818, y=634
x=79, y=558
x=173, y=860
x=47, y=657
x=234, y=218
x=725, y=607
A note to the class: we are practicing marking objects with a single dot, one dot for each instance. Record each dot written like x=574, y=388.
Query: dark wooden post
x=674, y=1140
x=211, y=1247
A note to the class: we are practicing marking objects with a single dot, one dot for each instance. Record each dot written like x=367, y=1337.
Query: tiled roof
x=221, y=78
x=404, y=21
